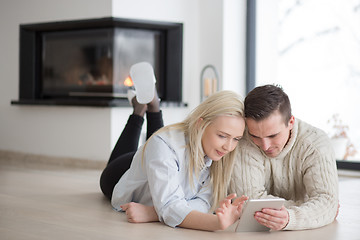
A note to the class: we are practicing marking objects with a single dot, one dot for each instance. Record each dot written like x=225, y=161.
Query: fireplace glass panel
x=95, y=62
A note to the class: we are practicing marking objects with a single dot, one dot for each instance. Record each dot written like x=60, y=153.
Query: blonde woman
x=180, y=175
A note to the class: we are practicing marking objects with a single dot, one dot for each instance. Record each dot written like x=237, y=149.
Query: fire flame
x=128, y=82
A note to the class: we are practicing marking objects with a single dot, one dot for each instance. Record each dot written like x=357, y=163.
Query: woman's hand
x=228, y=213
x=139, y=213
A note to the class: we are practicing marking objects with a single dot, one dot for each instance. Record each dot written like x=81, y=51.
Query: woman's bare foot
x=139, y=109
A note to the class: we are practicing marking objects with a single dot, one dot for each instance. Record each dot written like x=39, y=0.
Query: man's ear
x=291, y=122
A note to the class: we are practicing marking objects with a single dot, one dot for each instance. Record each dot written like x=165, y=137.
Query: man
x=282, y=156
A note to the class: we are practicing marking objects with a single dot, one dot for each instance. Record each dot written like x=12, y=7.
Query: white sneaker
x=142, y=75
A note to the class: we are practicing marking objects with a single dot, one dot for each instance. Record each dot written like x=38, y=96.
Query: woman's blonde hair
x=223, y=103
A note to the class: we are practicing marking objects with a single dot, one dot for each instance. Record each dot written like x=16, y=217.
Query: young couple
x=181, y=175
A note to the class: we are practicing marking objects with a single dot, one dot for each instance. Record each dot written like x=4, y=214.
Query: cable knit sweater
x=304, y=174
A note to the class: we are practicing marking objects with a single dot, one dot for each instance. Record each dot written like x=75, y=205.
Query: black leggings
x=125, y=149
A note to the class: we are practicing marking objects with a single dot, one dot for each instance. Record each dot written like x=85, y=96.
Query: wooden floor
x=44, y=202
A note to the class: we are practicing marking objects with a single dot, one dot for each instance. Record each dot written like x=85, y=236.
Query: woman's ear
x=198, y=122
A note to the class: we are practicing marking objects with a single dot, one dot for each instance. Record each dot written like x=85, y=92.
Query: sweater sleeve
x=320, y=181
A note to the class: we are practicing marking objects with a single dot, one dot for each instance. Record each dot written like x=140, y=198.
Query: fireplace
x=87, y=62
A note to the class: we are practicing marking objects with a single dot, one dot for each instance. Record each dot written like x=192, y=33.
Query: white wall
x=234, y=46
x=91, y=132
x=48, y=130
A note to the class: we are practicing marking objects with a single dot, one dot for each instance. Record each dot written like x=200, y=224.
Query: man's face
x=270, y=134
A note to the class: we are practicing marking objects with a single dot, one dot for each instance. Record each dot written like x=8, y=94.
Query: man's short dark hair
x=264, y=100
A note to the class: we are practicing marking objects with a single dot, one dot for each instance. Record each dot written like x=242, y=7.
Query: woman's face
x=222, y=136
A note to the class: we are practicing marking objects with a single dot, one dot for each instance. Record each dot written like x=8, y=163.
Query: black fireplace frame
x=30, y=60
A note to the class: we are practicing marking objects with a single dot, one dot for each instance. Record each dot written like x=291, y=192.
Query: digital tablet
x=247, y=222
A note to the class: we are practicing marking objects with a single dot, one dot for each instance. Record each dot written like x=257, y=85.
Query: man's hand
x=273, y=219
x=139, y=213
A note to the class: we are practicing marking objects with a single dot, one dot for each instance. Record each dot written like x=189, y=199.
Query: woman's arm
x=227, y=214
x=139, y=213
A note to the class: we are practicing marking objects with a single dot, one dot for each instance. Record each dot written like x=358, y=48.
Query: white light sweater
x=304, y=174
